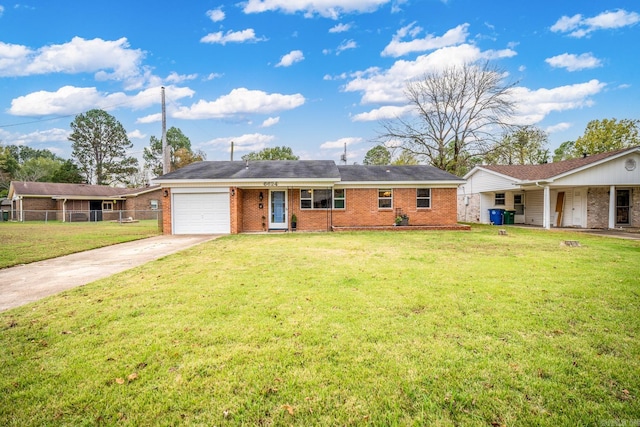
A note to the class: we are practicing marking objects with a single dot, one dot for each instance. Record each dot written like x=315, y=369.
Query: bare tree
x=461, y=113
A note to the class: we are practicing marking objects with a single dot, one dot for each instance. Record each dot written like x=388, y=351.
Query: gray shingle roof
x=259, y=169
x=406, y=173
x=26, y=188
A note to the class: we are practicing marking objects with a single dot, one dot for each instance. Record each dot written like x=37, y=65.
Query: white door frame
x=274, y=223
x=578, y=210
x=519, y=218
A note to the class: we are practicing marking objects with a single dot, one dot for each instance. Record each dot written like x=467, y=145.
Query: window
x=423, y=197
x=154, y=205
x=385, y=199
x=338, y=199
x=306, y=199
x=499, y=199
x=315, y=199
x=107, y=206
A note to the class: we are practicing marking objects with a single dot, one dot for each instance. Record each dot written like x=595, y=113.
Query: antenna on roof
x=343, y=157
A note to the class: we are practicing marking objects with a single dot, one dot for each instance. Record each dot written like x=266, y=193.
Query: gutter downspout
x=64, y=210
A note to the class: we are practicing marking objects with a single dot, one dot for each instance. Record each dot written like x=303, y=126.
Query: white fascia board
x=501, y=175
x=88, y=197
x=251, y=183
x=399, y=184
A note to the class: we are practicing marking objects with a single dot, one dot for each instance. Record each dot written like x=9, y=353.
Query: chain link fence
x=82, y=215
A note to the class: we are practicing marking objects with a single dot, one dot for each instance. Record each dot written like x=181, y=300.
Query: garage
x=201, y=212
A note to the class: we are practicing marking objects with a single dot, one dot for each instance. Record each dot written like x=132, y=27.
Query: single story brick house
x=230, y=197
x=598, y=191
x=39, y=201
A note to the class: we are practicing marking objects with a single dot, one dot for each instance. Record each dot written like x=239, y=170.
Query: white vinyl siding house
x=599, y=191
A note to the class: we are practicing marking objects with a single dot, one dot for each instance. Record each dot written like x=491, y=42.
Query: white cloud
x=38, y=137
x=340, y=28
x=387, y=112
x=109, y=59
x=212, y=76
x=579, y=26
x=179, y=78
x=1, y=10
x=397, y=47
x=136, y=134
x=535, y=105
x=345, y=45
x=243, y=36
x=74, y=100
x=574, y=62
x=216, y=15
x=270, y=122
x=326, y=8
x=238, y=102
x=340, y=143
x=290, y=58
x=559, y=127
x=387, y=86
x=247, y=142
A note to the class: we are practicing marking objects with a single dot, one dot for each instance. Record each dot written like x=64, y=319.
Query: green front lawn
x=406, y=328
x=25, y=242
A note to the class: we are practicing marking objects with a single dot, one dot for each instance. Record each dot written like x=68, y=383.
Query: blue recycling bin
x=495, y=216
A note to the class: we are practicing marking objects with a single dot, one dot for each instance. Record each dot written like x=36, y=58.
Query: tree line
x=99, y=156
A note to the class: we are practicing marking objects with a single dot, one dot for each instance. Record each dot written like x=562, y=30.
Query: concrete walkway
x=30, y=282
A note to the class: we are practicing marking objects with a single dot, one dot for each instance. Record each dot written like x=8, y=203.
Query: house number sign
x=270, y=183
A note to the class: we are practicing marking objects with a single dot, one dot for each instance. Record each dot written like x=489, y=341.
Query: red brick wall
x=362, y=208
x=166, y=211
x=251, y=219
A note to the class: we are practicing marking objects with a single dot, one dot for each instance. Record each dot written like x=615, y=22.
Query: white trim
x=279, y=225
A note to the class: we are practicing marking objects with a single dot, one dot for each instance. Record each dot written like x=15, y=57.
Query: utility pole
x=166, y=159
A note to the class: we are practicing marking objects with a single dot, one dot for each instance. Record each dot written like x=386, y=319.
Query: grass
x=25, y=242
x=405, y=328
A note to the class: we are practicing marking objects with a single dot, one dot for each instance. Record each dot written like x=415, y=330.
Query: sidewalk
x=30, y=282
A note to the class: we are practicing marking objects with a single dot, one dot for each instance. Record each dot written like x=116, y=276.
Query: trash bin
x=508, y=217
x=5, y=215
x=495, y=216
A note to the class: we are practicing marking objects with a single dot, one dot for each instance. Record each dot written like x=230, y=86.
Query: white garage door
x=201, y=213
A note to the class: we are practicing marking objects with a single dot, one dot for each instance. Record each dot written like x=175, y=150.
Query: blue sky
x=309, y=74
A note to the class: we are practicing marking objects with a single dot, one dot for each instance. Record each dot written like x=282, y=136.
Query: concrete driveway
x=30, y=282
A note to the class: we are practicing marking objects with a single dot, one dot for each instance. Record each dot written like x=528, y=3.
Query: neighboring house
x=40, y=201
x=598, y=191
x=236, y=197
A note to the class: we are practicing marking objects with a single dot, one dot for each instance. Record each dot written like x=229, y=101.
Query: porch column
x=546, y=211
x=612, y=206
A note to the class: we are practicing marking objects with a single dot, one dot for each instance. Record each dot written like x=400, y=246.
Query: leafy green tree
x=405, y=158
x=180, y=152
x=274, y=153
x=8, y=167
x=38, y=169
x=378, y=155
x=68, y=172
x=524, y=146
x=99, y=148
x=564, y=152
x=607, y=135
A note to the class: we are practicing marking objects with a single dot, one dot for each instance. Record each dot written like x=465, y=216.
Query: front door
x=278, y=210
x=577, y=209
x=518, y=206
x=623, y=202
